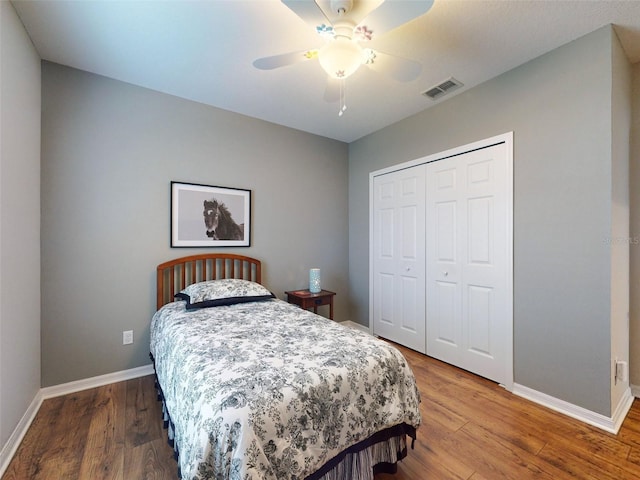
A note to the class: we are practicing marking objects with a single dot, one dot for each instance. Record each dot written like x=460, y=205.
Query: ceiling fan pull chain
x=343, y=97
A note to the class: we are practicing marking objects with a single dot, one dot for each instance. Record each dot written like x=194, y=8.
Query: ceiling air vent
x=442, y=88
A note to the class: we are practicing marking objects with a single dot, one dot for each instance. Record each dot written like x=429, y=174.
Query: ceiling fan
x=345, y=24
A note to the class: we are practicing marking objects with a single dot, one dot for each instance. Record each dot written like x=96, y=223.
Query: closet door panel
x=398, y=250
x=443, y=313
x=479, y=319
x=467, y=247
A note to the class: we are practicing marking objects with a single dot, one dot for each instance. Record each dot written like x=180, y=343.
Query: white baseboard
x=357, y=326
x=635, y=390
x=10, y=448
x=621, y=411
x=93, y=382
x=610, y=424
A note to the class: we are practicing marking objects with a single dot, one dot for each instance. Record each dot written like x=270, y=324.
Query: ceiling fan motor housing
x=341, y=7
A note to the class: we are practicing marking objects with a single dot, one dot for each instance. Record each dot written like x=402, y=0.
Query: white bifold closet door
x=467, y=289
x=398, y=253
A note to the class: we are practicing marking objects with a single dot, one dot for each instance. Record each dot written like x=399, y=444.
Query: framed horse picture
x=208, y=216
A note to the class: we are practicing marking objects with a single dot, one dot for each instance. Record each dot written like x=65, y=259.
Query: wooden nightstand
x=305, y=299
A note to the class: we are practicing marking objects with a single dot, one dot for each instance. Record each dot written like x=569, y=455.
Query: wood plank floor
x=472, y=429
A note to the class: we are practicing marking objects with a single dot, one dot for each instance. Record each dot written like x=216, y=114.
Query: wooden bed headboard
x=175, y=275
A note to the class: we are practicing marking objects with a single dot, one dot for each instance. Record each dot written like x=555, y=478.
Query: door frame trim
x=507, y=139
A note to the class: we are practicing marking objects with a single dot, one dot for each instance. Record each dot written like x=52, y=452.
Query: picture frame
x=209, y=216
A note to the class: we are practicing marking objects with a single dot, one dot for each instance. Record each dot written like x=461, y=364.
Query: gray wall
x=19, y=222
x=110, y=150
x=559, y=107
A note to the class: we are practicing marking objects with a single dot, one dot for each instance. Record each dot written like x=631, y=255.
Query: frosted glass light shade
x=341, y=57
x=314, y=280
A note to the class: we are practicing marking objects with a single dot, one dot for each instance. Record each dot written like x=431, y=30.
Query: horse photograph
x=208, y=216
x=219, y=223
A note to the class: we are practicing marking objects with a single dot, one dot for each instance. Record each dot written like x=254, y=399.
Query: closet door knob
x=445, y=273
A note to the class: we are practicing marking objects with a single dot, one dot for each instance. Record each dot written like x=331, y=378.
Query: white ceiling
x=203, y=51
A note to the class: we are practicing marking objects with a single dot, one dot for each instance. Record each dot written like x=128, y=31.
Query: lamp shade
x=341, y=57
x=314, y=280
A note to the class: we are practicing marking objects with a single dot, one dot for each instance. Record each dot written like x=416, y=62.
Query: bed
x=254, y=388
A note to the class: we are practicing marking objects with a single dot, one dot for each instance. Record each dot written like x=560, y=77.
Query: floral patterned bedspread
x=268, y=391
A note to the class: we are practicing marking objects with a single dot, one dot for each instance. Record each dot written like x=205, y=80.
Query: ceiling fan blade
x=309, y=11
x=332, y=90
x=398, y=68
x=282, y=60
x=393, y=13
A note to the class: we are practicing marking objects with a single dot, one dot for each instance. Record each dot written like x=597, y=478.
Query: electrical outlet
x=622, y=371
x=127, y=337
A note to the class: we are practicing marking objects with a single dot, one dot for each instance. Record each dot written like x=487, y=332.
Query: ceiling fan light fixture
x=341, y=57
